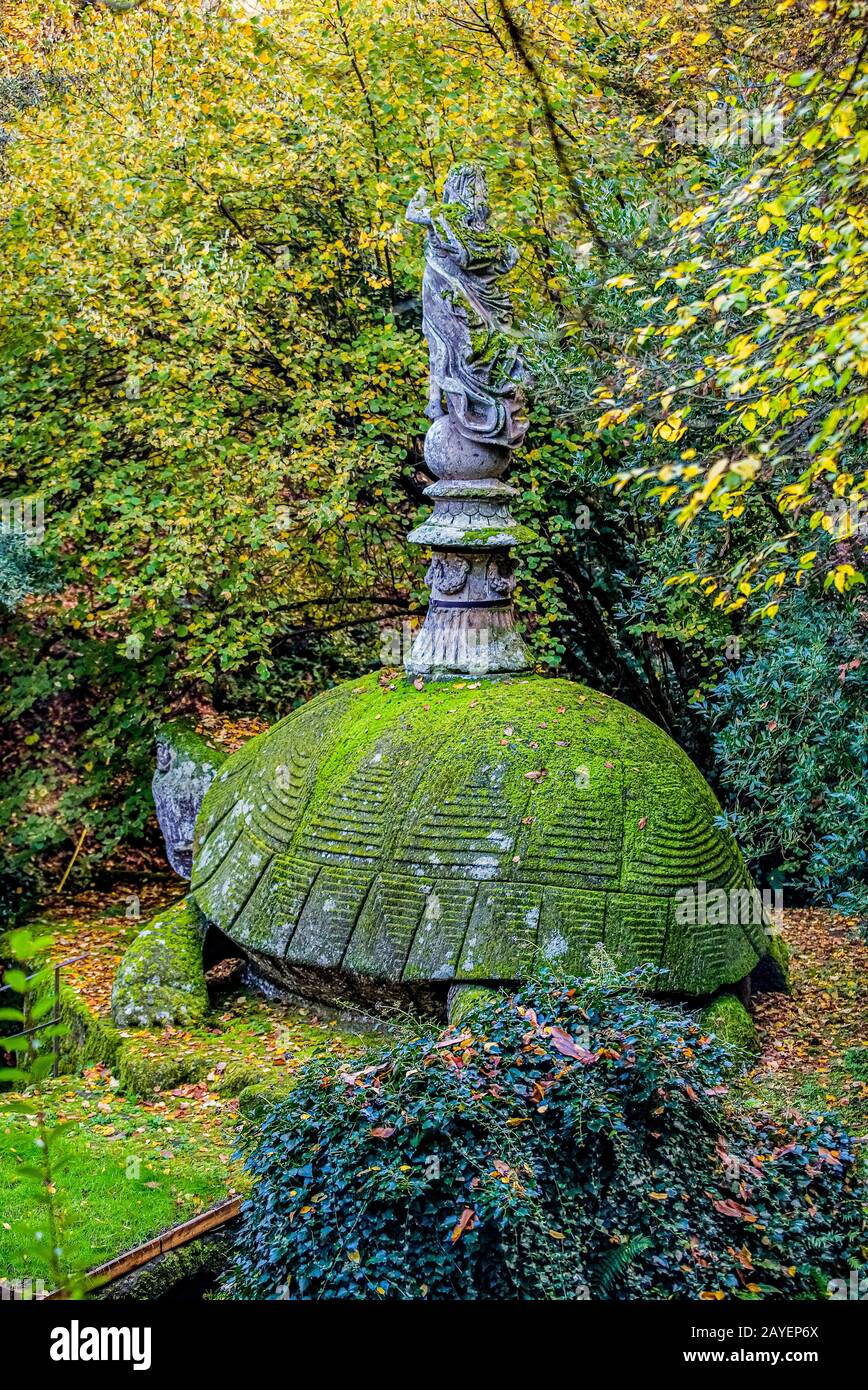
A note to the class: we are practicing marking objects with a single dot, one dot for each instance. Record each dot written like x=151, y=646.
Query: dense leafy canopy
x=211, y=370
x=791, y=746
x=751, y=356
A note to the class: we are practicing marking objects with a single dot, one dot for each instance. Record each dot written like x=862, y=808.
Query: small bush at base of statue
x=571, y=1141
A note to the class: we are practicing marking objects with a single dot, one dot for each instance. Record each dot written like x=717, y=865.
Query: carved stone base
x=470, y=626
x=471, y=641
x=471, y=514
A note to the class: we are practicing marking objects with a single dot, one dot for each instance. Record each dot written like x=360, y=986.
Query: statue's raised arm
x=476, y=369
x=418, y=210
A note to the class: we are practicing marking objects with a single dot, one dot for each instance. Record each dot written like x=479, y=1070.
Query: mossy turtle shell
x=466, y=831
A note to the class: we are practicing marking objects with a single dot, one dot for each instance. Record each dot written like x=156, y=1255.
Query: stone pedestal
x=470, y=626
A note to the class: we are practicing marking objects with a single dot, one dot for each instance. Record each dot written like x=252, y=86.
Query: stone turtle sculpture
x=405, y=841
x=386, y=845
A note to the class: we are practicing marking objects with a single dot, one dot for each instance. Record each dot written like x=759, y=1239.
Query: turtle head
x=186, y=764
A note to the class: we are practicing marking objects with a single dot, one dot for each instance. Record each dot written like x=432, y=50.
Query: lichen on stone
x=186, y=765
x=182, y=737
x=160, y=979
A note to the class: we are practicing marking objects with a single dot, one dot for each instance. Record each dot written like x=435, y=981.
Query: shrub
x=792, y=748
x=22, y=570
x=568, y=1141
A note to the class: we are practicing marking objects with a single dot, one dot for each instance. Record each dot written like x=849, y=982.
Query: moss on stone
x=730, y=1021
x=199, y=1261
x=87, y=1040
x=493, y=537
x=181, y=736
x=237, y=1076
x=160, y=979
x=773, y=970
x=780, y=954
x=142, y=1074
x=464, y=999
x=255, y=1100
x=468, y=830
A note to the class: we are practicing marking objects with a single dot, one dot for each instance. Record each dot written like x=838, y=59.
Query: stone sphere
x=448, y=454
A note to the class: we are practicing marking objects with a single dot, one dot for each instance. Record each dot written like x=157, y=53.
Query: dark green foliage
x=569, y=1141
x=592, y=589
x=23, y=571
x=791, y=741
x=78, y=721
x=17, y=891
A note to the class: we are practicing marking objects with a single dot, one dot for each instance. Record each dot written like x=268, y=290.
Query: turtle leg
x=160, y=979
x=727, y=1017
x=463, y=998
x=772, y=971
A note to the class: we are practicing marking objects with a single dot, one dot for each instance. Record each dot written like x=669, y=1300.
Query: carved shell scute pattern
x=566, y=821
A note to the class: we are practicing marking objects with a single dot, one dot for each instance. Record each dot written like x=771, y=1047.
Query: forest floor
x=815, y=1039
x=135, y=1160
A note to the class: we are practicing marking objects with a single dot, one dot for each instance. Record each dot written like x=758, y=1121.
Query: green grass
x=151, y=1137
x=150, y=1140
x=121, y=1176
x=242, y=1031
x=840, y=1090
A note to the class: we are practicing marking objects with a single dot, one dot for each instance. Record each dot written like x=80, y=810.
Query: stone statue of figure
x=475, y=363
x=476, y=409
